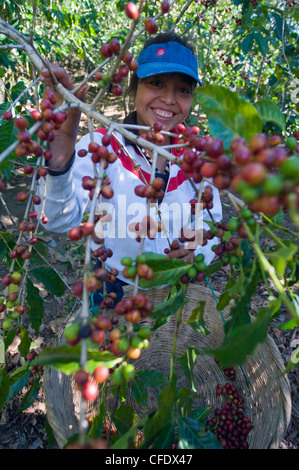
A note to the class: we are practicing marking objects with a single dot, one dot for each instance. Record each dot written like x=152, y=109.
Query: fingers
x=62, y=77
x=81, y=93
x=59, y=73
x=182, y=253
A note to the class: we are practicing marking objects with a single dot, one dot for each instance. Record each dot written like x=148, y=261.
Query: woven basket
x=266, y=391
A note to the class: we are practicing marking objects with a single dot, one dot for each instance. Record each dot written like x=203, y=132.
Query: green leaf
x=2, y=352
x=282, y=257
x=50, y=279
x=278, y=27
x=38, y=249
x=167, y=271
x=196, y=319
x=232, y=289
x=9, y=337
x=31, y=395
x=163, y=417
x=262, y=43
x=239, y=312
x=185, y=402
x=152, y=378
x=193, y=436
x=163, y=311
x=18, y=380
x=247, y=43
x=270, y=112
x=229, y=114
x=8, y=135
x=16, y=90
x=146, y=378
x=124, y=418
x=67, y=358
x=243, y=340
x=201, y=414
x=4, y=387
x=187, y=362
x=139, y=391
x=96, y=427
x=36, y=306
x=164, y=439
x=122, y=442
x=25, y=343
x=293, y=361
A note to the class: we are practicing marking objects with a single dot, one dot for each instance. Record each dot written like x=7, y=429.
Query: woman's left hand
x=183, y=254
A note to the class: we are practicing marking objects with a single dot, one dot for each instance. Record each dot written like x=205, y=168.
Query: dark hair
x=161, y=38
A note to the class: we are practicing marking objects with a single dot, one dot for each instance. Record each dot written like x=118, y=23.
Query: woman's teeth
x=164, y=114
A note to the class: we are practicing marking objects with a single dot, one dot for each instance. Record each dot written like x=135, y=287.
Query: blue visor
x=170, y=57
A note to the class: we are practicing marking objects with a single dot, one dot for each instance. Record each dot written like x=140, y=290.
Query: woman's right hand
x=62, y=77
x=62, y=147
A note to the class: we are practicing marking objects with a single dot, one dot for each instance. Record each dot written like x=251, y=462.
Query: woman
x=162, y=90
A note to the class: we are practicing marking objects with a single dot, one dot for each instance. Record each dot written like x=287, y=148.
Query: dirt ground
x=28, y=429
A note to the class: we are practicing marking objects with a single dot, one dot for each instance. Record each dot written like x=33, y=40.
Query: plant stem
x=179, y=316
x=271, y=272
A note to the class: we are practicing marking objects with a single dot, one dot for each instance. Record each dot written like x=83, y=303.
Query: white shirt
x=67, y=201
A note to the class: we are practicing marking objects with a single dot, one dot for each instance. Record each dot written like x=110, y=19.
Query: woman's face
x=163, y=98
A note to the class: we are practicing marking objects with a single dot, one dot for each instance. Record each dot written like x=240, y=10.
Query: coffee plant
x=242, y=137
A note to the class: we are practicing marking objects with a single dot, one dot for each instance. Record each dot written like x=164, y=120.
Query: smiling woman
x=166, y=98
x=162, y=89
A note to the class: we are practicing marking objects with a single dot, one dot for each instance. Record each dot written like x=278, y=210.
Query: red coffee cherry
x=132, y=11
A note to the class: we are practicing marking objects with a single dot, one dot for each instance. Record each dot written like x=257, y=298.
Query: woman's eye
x=156, y=83
x=185, y=90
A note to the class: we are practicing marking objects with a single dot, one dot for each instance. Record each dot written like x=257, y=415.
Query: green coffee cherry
x=126, y=261
x=71, y=332
x=128, y=372
x=233, y=224
x=144, y=332
x=117, y=376
x=291, y=143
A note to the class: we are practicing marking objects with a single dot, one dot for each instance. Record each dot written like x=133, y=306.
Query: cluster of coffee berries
x=95, y=330
x=102, y=253
x=10, y=303
x=134, y=308
x=94, y=281
x=36, y=368
x=88, y=383
x=28, y=225
x=229, y=372
x=136, y=268
x=262, y=171
x=226, y=60
x=195, y=272
x=130, y=345
x=150, y=24
x=230, y=424
x=99, y=152
x=88, y=229
x=267, y=172
x=111, y=49
x=206, y=200
x=50, y=120
x=89, y=183
x=153, y=191
x=155, y=134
